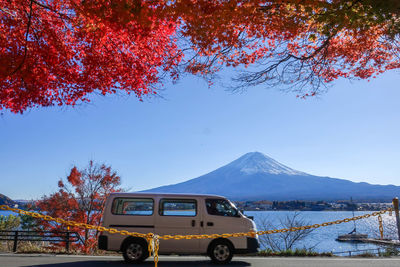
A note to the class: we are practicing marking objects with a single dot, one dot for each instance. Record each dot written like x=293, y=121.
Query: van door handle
x=210, y=224
x=193, y=223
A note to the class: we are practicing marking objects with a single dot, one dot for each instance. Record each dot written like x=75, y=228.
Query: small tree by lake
x=9, y=223
x=286, y=240
x=81, y=197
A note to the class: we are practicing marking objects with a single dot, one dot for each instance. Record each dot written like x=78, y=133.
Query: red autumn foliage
x=61, y=51
x=80, y=199
x=300, y=45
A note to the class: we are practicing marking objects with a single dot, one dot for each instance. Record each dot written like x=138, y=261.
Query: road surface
x=13, y=260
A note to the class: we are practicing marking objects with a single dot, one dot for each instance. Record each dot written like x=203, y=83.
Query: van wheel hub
x=221, y=252
x=134, y=251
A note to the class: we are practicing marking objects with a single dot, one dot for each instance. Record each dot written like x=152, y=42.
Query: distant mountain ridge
x=255, y=176
x=4, y=200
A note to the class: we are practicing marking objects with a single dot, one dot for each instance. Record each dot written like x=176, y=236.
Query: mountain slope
x=6, y=200
x=256, y=176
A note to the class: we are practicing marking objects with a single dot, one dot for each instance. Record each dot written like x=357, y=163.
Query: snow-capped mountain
x=256, y=162
x=255, y=176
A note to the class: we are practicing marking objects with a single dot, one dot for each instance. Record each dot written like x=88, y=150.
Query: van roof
x=148, y=194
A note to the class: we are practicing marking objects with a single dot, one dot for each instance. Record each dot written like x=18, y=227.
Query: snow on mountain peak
x=256, y=162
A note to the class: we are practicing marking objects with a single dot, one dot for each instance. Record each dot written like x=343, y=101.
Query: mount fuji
x=255, y=176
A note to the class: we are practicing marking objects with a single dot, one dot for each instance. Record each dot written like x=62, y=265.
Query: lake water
x=323, y=238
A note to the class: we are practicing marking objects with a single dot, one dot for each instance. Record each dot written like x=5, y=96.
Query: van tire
x=221, y=251
x=135, y=250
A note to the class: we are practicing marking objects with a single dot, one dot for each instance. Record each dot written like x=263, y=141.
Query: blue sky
x=351, y=132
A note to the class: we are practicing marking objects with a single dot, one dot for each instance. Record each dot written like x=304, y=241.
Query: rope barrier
x=153, y=239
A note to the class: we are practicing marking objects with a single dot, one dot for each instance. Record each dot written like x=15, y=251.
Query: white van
x=176, y=214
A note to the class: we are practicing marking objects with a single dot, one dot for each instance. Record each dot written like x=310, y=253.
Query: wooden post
x=15, y=241
x=396, y=212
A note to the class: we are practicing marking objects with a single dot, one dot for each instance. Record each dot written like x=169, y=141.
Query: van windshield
x=221, y=207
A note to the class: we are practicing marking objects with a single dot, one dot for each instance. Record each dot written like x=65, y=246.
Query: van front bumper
x=252, y=246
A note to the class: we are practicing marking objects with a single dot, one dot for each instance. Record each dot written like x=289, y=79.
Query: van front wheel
x=221, y=252
x=135, y=251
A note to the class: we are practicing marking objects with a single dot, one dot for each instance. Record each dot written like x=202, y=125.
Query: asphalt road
x=11, y=260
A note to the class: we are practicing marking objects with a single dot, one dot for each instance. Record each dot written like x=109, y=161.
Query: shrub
x=9, y=222
x=390, y=251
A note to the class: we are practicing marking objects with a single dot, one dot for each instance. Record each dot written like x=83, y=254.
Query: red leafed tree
x=59, y=51
x=81, y=198
x=297, y=45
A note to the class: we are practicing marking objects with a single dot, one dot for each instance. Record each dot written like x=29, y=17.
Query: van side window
x=132, y=206
x=221, y=207
x=178, y=207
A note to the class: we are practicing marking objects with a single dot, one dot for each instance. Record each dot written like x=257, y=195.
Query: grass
x=33, y=247
x=390, y=251
x=293, y=253
x=36, y=247
x=43, y=247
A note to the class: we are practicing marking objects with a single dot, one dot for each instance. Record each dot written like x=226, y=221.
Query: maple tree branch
x=316, y=51
x=51, y=9
x=26, y=39
x=7, y=11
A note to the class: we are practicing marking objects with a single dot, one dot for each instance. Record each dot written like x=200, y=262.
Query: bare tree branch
x=287, y=240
